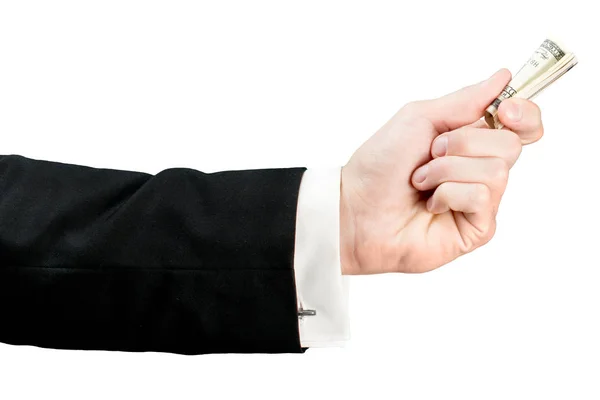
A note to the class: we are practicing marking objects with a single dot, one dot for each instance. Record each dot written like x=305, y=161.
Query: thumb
x=466, y=105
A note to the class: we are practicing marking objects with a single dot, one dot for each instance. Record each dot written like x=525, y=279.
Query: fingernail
x=440, y=146
x=513, y=111
x=420, y=174
x=430, y=204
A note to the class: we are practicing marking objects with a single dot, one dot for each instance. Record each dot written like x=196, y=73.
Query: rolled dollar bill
x=548, y=63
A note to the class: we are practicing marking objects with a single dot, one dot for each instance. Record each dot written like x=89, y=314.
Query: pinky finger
x=472, y=199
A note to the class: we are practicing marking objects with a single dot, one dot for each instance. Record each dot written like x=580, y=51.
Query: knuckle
x=536, y=110
x=515, y=146
x=540, y=131
x=500, y=171
x=443, y=193
x=443, y=190
x=489, y=233
x=458, y=142
x=536, y=115
x=481, y=196
x=413, y=107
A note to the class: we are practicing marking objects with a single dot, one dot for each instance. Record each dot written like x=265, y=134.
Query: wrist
x=347, y=232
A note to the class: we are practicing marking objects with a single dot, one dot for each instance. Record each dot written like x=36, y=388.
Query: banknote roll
x=548, y=63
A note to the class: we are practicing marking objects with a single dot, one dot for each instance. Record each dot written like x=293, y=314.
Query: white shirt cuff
x=320, y=284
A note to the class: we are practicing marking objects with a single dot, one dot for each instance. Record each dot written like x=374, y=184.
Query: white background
x=148, y=85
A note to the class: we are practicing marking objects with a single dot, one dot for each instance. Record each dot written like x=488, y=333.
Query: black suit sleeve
x=181, y=261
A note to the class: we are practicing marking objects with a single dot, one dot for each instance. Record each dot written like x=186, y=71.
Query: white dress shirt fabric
x=320, y=284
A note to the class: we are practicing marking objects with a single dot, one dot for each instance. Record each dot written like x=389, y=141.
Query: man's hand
x=426, y=187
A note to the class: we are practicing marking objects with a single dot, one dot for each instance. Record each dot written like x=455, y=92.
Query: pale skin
x=426, y=187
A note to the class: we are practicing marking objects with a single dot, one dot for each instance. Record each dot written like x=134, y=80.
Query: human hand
x=425, y=188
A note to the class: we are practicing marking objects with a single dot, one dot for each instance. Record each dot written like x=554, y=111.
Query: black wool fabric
x=181, y=262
